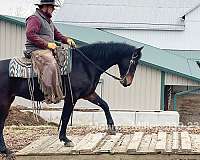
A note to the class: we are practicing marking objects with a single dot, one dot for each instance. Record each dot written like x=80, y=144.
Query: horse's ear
x=139, y=49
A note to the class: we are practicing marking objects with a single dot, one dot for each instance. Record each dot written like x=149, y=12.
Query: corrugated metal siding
x=137, y=3
x=12, y=39
x=171, y=79
x=143, y=94
x=193, y=15
x=137, y=14
x=186, y=40
x=166, y=39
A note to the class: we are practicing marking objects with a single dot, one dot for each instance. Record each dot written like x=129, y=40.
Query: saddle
x=21, y=67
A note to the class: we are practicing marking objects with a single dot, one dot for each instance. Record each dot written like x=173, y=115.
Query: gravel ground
x=22, y=128
x=18, y=137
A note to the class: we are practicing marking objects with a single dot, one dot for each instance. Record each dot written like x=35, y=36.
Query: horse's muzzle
x=127, y=81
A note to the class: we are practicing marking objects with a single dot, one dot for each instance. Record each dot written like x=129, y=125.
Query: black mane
x=108, y=49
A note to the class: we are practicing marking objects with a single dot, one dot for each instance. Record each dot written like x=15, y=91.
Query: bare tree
x=26, y=7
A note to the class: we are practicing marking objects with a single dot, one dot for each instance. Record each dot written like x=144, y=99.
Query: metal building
x=170, y=25
x=161, y=23
x=12, y=36
x=157, y=69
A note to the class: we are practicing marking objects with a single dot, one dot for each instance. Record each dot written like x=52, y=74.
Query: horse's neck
x=107, y=60
x=104, y=56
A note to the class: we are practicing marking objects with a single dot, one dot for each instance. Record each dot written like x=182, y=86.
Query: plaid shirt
x=33, y=27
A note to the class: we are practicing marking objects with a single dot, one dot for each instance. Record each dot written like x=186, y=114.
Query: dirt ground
x=22, y=128
x=18, y=137
x=189, y=109
x=18, y=118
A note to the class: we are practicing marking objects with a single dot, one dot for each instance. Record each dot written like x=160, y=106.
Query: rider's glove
x=71, y=42
x=52, y=45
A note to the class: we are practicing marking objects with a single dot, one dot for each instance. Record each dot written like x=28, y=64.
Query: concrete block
x=168, y=118
x=163, y=118
x=83, y=118
x=146, y=118
x=99, y=119
x=51, y=116
x=123, y=118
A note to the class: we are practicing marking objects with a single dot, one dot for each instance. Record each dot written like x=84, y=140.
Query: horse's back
x=4, y=66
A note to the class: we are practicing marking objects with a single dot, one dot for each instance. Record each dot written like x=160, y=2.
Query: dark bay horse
x=84, y=79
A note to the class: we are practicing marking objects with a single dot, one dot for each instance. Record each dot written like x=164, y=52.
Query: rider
x=40, y=35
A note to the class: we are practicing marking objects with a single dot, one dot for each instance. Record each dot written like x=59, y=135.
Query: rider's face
x=48, y=9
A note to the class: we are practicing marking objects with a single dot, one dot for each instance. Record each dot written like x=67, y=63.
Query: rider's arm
x=66, y=40
x=32, y=29
x=59, y=37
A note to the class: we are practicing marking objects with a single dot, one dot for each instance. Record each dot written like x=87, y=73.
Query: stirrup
x=48, y=101
x=58, y=99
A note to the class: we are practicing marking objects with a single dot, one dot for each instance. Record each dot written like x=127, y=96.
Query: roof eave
x=190, y=11
x=167, y=70
x=11, y=20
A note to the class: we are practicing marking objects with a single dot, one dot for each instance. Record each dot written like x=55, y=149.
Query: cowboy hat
x=48, y=2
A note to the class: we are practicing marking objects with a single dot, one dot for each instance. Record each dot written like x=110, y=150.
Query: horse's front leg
x=95, y=99
x=66, y=113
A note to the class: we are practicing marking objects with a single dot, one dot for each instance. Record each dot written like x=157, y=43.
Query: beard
x=49, y=15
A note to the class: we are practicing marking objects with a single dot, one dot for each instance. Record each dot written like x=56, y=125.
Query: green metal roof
x=154, y=57
x=11, y=19
x=190, y=54
x=159, y=59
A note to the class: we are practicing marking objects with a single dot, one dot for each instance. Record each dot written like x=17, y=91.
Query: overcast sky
x=19, y=8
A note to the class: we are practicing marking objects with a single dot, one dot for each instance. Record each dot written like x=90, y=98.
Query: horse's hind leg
x=4, y=109
x=95, y=99
x=3, y=115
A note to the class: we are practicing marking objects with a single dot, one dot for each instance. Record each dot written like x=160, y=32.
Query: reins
x=132, y=61
x=97, y=66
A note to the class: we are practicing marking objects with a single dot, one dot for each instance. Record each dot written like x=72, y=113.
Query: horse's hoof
x=111, y=130
x=6, y=151
x=69, y=144
x=8, y=154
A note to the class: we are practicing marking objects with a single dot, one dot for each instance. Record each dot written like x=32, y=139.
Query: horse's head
x=127, y=66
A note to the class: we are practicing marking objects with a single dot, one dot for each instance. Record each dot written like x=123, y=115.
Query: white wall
x=171, y=79
x=178, y=40
x=143, y=94
x=12, y=39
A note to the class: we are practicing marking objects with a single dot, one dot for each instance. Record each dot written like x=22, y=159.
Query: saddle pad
x=21, y=67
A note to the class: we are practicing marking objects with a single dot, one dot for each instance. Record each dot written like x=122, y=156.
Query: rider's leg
x=47, y=69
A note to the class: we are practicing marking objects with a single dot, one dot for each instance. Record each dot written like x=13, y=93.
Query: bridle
x=131, y=62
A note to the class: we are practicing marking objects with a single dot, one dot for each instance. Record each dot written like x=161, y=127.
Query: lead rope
x=31, y=91
x=71, y=93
